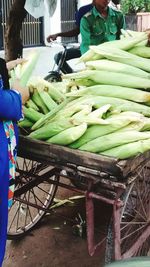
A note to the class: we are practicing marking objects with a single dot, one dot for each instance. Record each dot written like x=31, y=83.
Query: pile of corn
x=44, y=99
x=107, y=110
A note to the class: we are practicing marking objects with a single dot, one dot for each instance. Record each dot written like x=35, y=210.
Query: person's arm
x=10, y=105
x=85, y=35
x=71, y=33
x=24, y=91
x=13, y=63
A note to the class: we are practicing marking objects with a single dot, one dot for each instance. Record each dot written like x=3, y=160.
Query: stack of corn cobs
x=104, y=108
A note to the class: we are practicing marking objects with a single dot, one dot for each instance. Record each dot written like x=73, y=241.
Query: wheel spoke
x=135, y=213
x=25, y=212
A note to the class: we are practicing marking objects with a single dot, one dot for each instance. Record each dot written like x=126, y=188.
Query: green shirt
x=96, y=29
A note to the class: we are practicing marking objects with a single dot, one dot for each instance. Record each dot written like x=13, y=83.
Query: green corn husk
x=91, y=118
x=89, y=55
x=128, y=150
x=32, y=114
x=121, y=105
x=143, y=43
x=75, y=110
x=82, y=82
x=108, y=65
x=141, y=51
x=43, y=85
x=119, y=79
x=56, y=94
x=27, y=68
x=115, y=122
x=125, y=33
x=136, y=126
x=116, y=103
x=132, y=33
x=115, y=139
x=85, y=111
x=17, y=70
x=25, y=123
x=52, y=128
x=39, y=102
x=124, y=44
x=100, y=112
x=113, y=91
x=50, y=115
x=12, y=77
x=48, y=101
x=31, y=104
x=68, y=136
x=123, y=57
x=146, y=126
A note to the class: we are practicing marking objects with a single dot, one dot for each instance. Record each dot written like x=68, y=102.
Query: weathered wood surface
x=54, y=154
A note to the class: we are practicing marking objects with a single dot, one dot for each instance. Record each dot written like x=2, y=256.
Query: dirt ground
x=55, y=243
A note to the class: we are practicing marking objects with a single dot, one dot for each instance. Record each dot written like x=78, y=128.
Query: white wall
x=52, y=25
x=84, y=2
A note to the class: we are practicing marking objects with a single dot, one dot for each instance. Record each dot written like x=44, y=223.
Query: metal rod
x=142, y=238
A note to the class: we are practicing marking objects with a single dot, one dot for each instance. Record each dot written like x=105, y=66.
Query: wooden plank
x=131, y=166
x=49, y=153
x=61, y=155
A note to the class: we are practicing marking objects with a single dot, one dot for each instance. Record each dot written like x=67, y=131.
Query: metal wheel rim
x=18, y=206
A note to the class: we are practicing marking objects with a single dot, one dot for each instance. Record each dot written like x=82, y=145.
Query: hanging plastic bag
x=51, y=6
x=35, y=8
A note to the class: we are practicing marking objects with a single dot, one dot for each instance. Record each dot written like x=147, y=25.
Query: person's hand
x=24, y=91
x=13, y=63
x=52, y=37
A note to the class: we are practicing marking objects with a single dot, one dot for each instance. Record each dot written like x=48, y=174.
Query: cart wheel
x=135, y=216
x=25, y=212
x=53, y=76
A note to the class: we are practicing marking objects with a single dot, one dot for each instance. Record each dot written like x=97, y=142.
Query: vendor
x=100, y=24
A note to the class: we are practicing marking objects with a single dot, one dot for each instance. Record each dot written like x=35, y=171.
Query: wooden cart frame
x=125, y=185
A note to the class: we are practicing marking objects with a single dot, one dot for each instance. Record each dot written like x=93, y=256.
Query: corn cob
x=31, y=104
x=128, y=150
x=108, y=65
x=48, y=101
x=52, y=128
x=25, y=123
x=50, y=115
x=32, y=114
x=68, y=136
x=115, y=139
x=56, y=94
x=123, y=57
x=120, y=79
x=115, y=122
x=27, y=68
x=142, y=51
x=113, y=91
x=121, y=105
x=39, y=102
x=124, y=44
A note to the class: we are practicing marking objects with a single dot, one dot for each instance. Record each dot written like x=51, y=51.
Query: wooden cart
x=125, y=185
